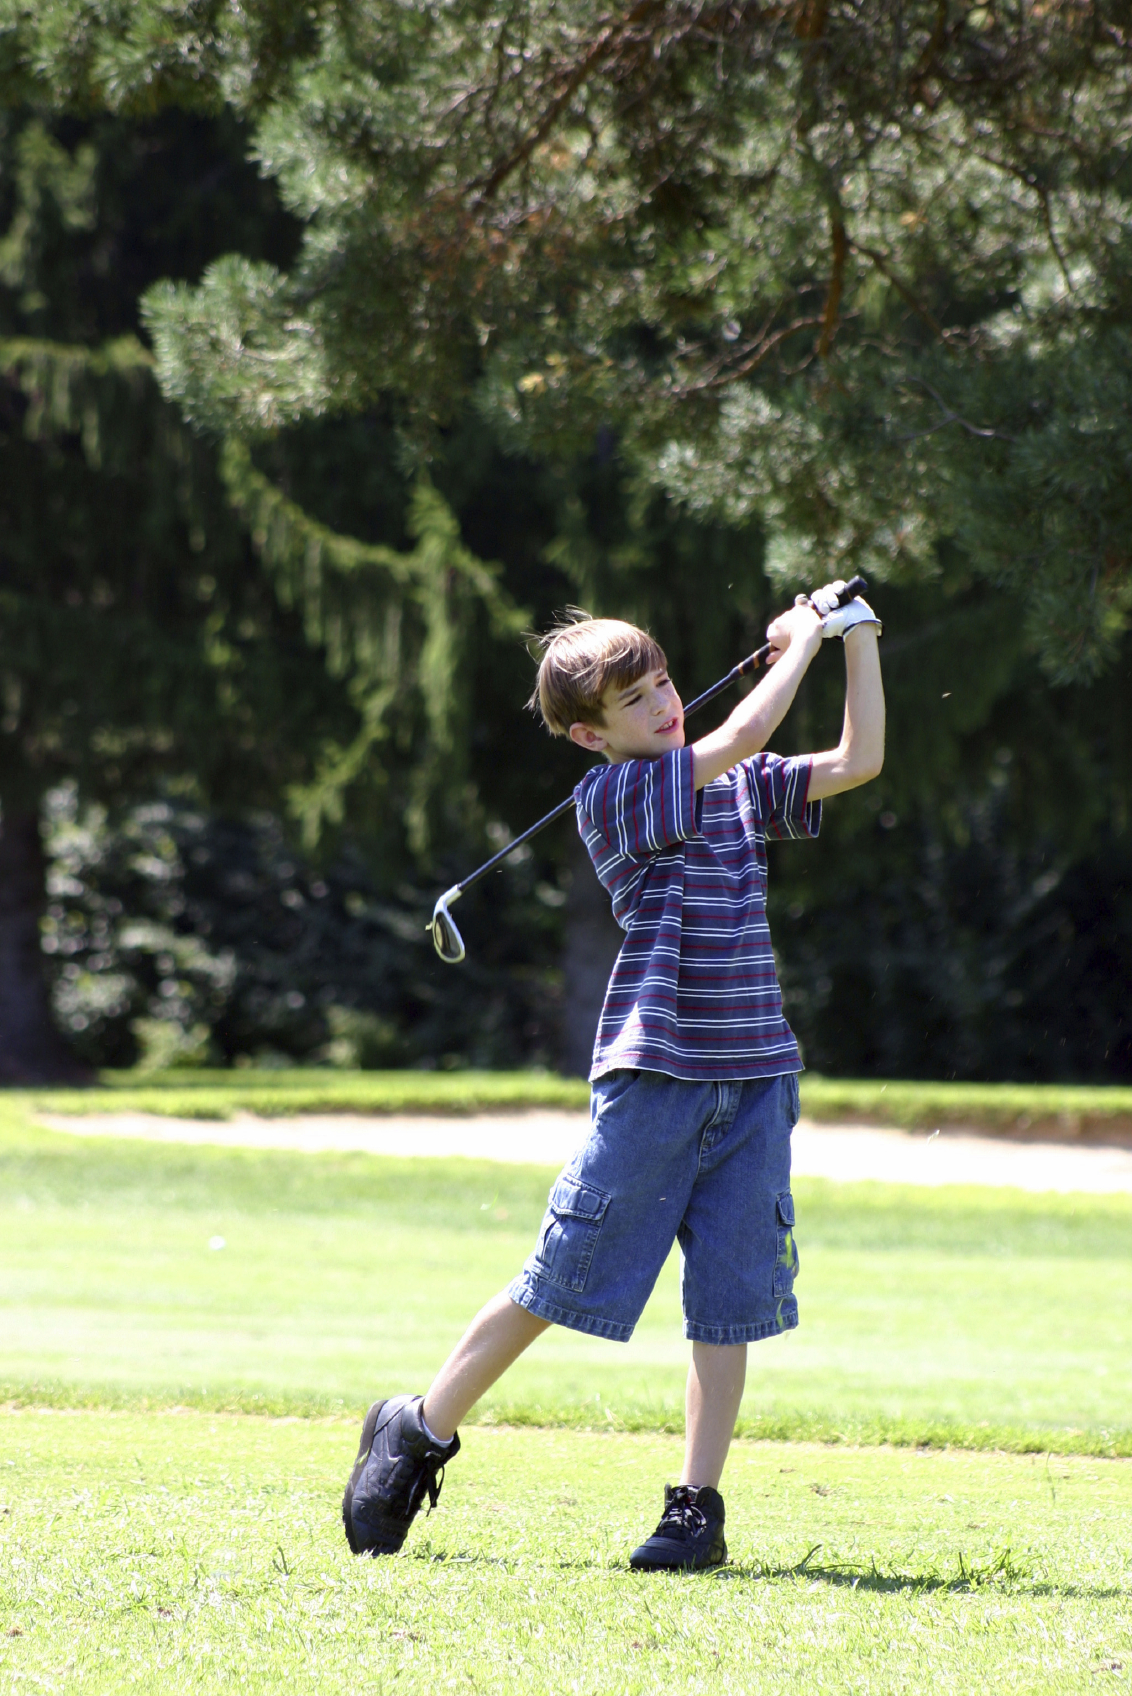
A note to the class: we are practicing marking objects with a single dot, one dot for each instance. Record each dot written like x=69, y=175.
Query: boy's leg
x=609, y=1224
x=737, y=1287
x=493, y=1341
x=715, y=1388
x=690, y=1533
x=403, y=1452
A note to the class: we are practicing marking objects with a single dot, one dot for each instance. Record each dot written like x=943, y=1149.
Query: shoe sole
x=676, y=1564
x=369, y=1426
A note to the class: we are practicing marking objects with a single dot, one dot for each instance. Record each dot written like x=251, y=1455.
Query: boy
x=694, y=1079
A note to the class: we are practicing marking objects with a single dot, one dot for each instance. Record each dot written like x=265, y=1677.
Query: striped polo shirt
x=694, y=991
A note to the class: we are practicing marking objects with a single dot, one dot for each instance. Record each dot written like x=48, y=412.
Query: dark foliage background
x=969, y=916
x=178, y=937
x=174, y=709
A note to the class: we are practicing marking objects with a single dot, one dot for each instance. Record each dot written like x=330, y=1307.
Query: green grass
x=186, y=1094
x=978, y=1317
x=1049, y=1109
x=185, y=1553
x=156, y=1542
x=1059, y=1110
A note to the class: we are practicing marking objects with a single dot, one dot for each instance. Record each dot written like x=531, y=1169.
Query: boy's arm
x=796, y=636
x=860, y=753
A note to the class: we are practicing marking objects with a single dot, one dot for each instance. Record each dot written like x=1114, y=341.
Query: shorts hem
x=593, y=1324
x=717, y=1334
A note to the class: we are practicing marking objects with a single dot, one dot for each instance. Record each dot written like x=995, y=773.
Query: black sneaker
x=398, y=1464
x=690, y=1533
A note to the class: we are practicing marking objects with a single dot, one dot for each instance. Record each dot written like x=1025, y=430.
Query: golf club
x=446, y=938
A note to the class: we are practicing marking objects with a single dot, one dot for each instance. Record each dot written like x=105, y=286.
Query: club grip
x=855, y=586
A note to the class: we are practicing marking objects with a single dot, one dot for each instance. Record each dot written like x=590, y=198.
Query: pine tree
x=131, y=627
x=862, y=270
x=166, y=615
x=855, y=273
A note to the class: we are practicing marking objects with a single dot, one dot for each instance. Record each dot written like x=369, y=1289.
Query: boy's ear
x=587, y=736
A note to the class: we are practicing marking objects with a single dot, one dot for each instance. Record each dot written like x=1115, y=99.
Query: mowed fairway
x=154, y=1541
x=197, y=1552
x=978, y=1316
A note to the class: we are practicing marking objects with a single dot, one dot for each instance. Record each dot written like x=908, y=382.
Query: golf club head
x=446, y=939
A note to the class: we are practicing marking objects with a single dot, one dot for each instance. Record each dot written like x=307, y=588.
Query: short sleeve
x=641, y=806
x=778, y=792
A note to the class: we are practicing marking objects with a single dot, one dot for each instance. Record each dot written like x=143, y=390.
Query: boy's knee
x=533, y=1323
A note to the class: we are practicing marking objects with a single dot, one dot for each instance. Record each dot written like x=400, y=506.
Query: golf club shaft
x=855, y=586
x=751, y=663
x=533, y=830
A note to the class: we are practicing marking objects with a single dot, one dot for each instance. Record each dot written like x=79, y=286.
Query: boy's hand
x=835, y=618
x=825, y=599
x=802, y=625
x=842, y=619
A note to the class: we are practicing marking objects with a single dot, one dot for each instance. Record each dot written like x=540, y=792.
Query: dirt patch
x=1088, y=1130
x=844, y=1152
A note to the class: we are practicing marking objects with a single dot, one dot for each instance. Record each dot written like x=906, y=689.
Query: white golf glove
x=824, y=600
x=836, y=620
x=841, y=619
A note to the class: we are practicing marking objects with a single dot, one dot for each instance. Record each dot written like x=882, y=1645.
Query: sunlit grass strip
x=197, y=1553
x=664, y=1417
x=270, y=1094
x=800, y=1427
x=931, y=1316
x=1066, y=1110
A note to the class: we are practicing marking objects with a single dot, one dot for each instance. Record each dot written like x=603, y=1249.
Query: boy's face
x=640, y=721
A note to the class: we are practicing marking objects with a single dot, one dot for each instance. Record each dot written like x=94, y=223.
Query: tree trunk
x=31, y=1049
x=593, y=938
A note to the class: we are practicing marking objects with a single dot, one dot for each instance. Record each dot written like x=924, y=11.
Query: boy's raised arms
x=645, y=719
x=859, y=755
x=796, y=638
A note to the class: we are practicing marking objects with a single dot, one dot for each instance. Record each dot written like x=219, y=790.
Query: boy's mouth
x=669, y=725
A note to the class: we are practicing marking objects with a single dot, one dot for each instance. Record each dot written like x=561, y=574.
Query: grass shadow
x=1003, y=1573
x=1004, y=1580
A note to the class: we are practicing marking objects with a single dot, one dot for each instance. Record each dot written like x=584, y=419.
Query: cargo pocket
x=569, y=1233
x=786, y=1260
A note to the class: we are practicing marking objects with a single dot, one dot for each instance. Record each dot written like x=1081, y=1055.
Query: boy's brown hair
x=581, y=657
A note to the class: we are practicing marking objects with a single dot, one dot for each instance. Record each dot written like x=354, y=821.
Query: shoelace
x=429, y=1477
x=683, y=1514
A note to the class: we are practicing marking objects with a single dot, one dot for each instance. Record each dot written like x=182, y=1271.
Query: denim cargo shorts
x=706, y=1165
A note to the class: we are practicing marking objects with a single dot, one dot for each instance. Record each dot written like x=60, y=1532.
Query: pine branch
x=884, y=266
x=391, y=624
x=741, y=361
x=840, y=246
